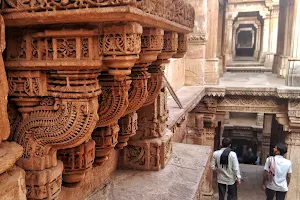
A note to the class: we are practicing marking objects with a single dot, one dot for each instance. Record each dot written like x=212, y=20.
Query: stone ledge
x=189, y=97
x=180, y=179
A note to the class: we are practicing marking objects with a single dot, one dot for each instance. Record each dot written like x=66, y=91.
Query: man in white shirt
x=277, y=174
x=226, y=164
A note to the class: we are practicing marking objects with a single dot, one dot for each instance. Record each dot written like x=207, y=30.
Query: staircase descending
x=246, y=64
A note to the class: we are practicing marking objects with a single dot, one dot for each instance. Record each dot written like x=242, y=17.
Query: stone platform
x=180, y=179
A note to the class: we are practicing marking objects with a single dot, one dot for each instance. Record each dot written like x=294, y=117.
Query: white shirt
x=228, y=175
x=282, y=168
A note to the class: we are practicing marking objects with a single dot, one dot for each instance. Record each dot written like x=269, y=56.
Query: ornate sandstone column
x=52, y=76
x=265, y=36
x=293, y=77
x=228, y=36
x=150, y=148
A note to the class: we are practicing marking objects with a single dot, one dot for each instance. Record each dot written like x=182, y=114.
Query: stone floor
x=179, y=180
x=251, y=79
x=250, y=189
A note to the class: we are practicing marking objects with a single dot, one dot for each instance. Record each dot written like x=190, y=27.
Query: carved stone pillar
x=56, y=97
x=228, y=36
x=293, y=77
x=144, y=83
x=195, y=57
x=150, y=148
x=258, y=41
x=293, y=142
x=205, y=122
x=265, y=37
x=272, y=37
x=260, y=119
x=284, y=38
x=266, y=137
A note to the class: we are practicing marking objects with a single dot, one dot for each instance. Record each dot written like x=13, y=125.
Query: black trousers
x=232, y=191
x=279, y=195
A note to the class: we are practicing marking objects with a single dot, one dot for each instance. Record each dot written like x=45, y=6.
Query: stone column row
x=78, y=95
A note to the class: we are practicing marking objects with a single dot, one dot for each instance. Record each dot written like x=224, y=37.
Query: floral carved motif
x=120, y=45
x=76, y=161
x=52, y=49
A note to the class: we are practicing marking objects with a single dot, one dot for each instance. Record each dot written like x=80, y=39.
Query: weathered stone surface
x=12, y=184
x=4, y=125
x=180, y=179
x=10, y=152
x=96, y=180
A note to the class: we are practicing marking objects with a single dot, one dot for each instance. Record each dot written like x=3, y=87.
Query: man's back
x=226, y=175
x=282, y=168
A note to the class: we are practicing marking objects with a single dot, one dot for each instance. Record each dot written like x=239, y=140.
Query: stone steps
x=248, y=69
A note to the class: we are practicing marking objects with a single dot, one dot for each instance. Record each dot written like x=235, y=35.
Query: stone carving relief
x=254, y=104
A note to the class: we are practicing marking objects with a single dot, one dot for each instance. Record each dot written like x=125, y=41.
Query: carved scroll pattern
x=154, y=84
x=65, y=124
x=113, y=101
x=138, y=92
x=128, y=128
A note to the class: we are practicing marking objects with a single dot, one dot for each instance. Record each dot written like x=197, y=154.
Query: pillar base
x=211, y=76
x=293, y=77
x=269, y=60
x=12, y=184
x=148, y=154
x=77, y=161
x=45, y=184
x=281, y=64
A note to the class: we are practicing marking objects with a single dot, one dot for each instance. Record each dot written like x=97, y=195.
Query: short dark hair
x=226, y=142
x=282, y=148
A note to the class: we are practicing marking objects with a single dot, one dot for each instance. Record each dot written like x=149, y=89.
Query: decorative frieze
x=245, y=104
x=120, y=45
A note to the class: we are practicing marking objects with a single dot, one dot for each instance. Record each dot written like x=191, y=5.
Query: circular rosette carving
x=154, y=84
x=128, y=128
x=106, y=139
x=138, y=91
x=77, y=161
x=113, y=101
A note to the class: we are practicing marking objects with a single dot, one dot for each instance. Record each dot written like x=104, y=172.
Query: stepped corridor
x=128, y=99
